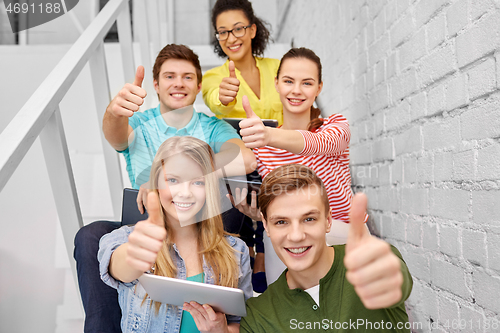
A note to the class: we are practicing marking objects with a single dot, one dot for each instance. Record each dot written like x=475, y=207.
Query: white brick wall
x=419, y=82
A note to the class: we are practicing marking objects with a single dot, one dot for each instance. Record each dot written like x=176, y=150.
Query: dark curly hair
x=262, y=36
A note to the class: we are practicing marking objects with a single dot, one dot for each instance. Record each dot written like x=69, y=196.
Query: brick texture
x=419, y=82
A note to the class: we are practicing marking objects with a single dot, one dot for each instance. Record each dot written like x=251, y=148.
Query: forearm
x=116, y=130
x=289, y=140
x=235, y=158
x=216, y=106
x=119, y=268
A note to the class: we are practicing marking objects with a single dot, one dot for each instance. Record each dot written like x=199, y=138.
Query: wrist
x=270, y=135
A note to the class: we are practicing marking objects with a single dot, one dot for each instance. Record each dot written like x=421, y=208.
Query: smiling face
x=297, y=223
x=177, y=84
x=236, y=48
x=181, y=188
x=298, y=85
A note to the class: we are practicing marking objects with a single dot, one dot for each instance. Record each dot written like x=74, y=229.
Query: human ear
x=265, y=224
x=320, y=87
x=329, y=221
x=155, y=84
x=253, y=29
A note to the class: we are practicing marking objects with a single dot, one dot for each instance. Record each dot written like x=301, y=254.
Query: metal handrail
x=40, y=117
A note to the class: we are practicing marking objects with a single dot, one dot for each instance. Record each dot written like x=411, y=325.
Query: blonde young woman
x=182, y=238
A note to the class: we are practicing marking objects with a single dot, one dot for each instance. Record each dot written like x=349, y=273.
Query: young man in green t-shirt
x=360, y=286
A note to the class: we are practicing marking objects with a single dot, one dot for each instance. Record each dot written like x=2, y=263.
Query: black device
x=235, y=122
x=130, y=212
x=252, y=185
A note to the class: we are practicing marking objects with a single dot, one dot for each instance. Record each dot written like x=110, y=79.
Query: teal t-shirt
x=151, y=130
x=187, y=321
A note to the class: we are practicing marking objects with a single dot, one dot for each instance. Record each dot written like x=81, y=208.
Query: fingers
x=144, y=243
x=141, y=199
x=253, y=203
x=139, y=76
x=232, y=72
x=147, y=236
x=372, y=261
x=380, y=292
x=154, y=210
x=247, y=107
x=229, y=86
x=205, y=318
x=357, y=229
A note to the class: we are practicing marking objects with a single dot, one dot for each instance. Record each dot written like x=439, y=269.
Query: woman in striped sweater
x=319, y=143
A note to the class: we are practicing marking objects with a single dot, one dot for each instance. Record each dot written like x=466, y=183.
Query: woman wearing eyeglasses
x=242, y=37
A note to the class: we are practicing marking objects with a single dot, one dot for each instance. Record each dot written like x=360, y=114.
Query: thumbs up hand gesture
x=229, y=87
x=372, y=268
x=129, y=98
x=146, y=240
x=252, y=130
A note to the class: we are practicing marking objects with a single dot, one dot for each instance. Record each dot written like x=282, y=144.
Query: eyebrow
x=223, y=27
x=289, y=77
x=191, y=73
x=309, y=213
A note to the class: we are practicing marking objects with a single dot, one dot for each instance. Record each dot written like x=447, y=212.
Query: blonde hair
x=215, y=249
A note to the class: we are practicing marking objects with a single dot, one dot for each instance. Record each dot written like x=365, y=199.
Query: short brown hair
x=288, y=178
x=176, y=51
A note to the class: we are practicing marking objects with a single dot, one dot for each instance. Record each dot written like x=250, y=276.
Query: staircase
x=36, y=262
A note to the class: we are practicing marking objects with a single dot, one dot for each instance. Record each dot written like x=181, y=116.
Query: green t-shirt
x=187, y=322
x=281, y=309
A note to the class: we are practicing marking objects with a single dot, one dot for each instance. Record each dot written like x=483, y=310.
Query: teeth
x=295, y=100
x=178, y=95
x=183, y=205
x=298, y=250
x=234, y=47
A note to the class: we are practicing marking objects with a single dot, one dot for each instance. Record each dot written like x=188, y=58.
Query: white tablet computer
x=176, y=292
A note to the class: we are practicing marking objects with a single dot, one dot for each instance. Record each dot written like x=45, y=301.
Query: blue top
x=151, y=130
x=138, y=317
x=187, y=323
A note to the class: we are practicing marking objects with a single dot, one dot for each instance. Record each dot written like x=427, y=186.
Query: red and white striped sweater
x=326, y=151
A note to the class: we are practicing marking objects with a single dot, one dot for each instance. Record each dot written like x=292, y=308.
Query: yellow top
x=267, y=107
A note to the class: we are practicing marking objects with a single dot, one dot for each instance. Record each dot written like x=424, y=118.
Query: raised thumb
x=247, y=107
x=232, y=72
x=154, y=209
x=357, y=229
x=139, y=76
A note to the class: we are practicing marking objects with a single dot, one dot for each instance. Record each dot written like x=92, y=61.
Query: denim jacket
x=141, y=317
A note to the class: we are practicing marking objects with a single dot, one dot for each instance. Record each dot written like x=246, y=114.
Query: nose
x=296, y=88
x=296, y=233
x=178, y=81
x=231, y=38
x=184, y=190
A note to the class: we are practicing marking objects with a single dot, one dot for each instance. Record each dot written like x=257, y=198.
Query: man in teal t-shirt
x=357, y=287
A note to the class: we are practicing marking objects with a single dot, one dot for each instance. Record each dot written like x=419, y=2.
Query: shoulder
x=268, y=61
x=335, y=118
x=117, y=235
x=264, y=301
x=236, y=243
x=219, y=70
x=213, y=123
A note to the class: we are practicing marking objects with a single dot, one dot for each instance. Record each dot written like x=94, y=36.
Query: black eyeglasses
x=237, y=32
